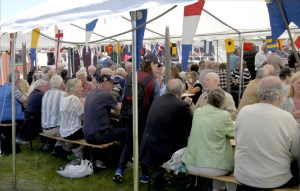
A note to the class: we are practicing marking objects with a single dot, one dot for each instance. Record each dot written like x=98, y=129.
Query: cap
x=106, y=77
x=151, y=57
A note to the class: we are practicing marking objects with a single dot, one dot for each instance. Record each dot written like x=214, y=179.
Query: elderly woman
x=81, y=74
x=291, y=102
x=209, y=152
x=193, y=86
x=71, y=110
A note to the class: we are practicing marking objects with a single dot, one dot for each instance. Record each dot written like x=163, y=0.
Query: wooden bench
x=231, y=179
x=82, y=142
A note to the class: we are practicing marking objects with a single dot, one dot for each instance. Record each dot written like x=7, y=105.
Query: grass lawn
x=36, y=171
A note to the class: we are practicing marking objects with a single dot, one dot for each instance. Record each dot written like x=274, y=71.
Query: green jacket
x=208, y=144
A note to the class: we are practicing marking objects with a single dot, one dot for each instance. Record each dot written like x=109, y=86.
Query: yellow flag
x=118, y=47
x=229, y=45
x=35, y=34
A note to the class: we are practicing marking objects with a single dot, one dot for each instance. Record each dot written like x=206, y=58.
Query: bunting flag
x=89, y=31
x=271, y=44
x=291, y=9
x=35, y=34
x=58, y=36
x=190, y=23
x=141, y=19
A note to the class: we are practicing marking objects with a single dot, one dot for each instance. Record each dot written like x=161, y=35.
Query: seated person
x=97, y=109
x=193, y=86
x=71, y=110
x=209, y=152
x=267, y=140
x=166, y=129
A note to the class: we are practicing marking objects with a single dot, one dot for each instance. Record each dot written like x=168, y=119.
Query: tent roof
x=238, y=14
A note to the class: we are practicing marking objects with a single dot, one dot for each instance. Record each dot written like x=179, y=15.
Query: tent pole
x=241, y=69
x=283, y=15
x=135, y=105
x=13, y=113
x=167, y=55
x=24, y=60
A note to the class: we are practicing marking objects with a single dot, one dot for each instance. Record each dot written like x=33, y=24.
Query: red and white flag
x=190, y=21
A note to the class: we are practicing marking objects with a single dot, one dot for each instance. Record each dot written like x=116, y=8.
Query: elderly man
x=212, y=81
x=97, y=108
x=250, y=94
x=261, y=57
x=167, y=130
x=267, y=139
x=51, y=112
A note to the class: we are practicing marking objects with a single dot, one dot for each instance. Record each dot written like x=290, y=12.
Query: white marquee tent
x=249, y=17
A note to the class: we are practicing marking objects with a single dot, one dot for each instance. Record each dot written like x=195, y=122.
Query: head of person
x=57, y=82
x=106, y=82
x=201, y=64
x=270, y=90
x=175, y=87
x=189, y=66
x=223, y=66
x=151, y=63
x=211, y=81
x=37, y=76
x=264, y=48
x=216, y=97
x=174, y=72
x=60, y=67
x=195, y=67
x=81, y=74
x=270, y=69
x=128, y=67
x=107, y=71
x=91, y=70
x=294, y=87
x=285, y=74
x=64, y=73
x=121, y=72
x=51, y=73
x=41, y=85
x=74, y=87
x=191, y=77
x=179, y=67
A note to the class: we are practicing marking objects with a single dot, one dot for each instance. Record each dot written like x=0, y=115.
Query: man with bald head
x=250, y=94
x=167, y=128
x=267, y=139
x=212, y=81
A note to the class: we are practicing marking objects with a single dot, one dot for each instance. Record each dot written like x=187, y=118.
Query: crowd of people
x=193, y=110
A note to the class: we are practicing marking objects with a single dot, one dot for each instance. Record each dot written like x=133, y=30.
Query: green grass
x=36, y=171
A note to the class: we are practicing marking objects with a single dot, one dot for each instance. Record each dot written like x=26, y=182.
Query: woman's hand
x=296, y=114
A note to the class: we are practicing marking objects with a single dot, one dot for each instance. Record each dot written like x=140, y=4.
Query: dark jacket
x=167, y=129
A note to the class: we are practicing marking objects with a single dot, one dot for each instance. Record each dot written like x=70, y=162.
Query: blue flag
x=291, y=9
x=141, y=19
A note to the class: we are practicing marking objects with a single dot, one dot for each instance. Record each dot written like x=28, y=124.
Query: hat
x=106, y=77
x=151, y=57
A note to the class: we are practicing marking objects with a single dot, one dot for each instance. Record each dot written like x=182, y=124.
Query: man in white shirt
x=267, y=139
x=261, y=57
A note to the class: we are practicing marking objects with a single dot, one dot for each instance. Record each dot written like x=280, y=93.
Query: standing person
x=150, y=89
x=209, y=152
x=261, y=57
x=267, y=134
x=165, y=125
x=97, y=110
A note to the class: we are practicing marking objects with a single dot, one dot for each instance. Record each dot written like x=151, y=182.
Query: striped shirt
x=235, y=78
x=51, y=108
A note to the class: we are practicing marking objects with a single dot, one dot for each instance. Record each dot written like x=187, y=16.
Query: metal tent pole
x=13, y=113
x=167, y=55
x=135, y=105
